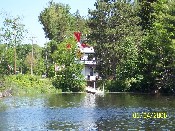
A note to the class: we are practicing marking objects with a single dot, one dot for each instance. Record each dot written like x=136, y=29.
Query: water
x=86, y=112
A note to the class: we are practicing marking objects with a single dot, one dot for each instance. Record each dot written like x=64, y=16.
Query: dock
x=93, y=90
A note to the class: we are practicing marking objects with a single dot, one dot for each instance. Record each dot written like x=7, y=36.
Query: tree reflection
x=65, y=100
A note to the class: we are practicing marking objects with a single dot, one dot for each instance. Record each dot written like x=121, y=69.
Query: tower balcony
x=86, y=62
x=91, y=78
x=87, y=50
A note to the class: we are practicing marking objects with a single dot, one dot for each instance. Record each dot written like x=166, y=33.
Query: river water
x=88, y=112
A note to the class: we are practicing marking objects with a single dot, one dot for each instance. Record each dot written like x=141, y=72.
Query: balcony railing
x=91, y=78
x=88, y=62
x=87, y=50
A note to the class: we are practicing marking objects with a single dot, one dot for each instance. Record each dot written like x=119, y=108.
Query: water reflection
x=65, y=100
x=58, y=125
x=81, y=111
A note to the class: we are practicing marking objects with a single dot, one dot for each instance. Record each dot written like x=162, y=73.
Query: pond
x=83, y=111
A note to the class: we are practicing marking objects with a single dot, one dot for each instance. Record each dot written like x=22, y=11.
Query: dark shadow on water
x=65, y=100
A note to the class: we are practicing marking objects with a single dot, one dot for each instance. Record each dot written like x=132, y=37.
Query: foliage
x=51, y=71
x=129, y=59
x=23, y=59
x=68, y=77
x=7, y=59
x=22, y=52
x=27, y=84
x=56, y=20
x=48, y=51
x=157, y=56
x=80, y=24
x=145, y=13
x=59, y=24
x=12, y=33
x=169, y=17
x=117, y=36
x=134, y=47
x=37, y=61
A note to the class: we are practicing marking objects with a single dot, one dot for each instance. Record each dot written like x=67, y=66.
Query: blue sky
x=29, y=10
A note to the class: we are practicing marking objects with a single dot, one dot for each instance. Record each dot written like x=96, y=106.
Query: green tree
x=22, y=52
x=12, y=34
x=56, y=20
x=39, y=67
x=4, y=60
x=59, y=24
x=169, y=18
x=30, y=59
x=157, y=56
x=145, y=13
x=47, y=54
x=37, y=61
x=68, y=76
x=114, y=29
x=80, y=24
x=7, y=59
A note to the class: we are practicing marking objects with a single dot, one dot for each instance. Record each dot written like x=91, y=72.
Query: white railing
x=87, y=50
x=86, y=58
x=88, y=62
x=91, y=78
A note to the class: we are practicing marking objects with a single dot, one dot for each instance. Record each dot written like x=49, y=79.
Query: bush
x=115, y=86
x=68, y=77
x=69, y=80
x=22, y=84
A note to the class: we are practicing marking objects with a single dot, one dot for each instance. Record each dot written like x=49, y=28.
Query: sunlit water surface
x=82, y=111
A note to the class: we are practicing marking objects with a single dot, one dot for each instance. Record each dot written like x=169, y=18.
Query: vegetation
x=115, y=30
x=157, y=56
x=68, y=76
x=134, y=48
x=59, y=24
x=134, y=44
x=27, y=84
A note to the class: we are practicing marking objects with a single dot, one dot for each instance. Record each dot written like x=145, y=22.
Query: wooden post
x=15, y=52
x=15, y=59
x=103, y=87
x=32, y=60
x=31, y=64
x=55, y=68
x=94, y=84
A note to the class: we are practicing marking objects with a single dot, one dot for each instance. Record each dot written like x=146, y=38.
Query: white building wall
x=96, y=74
x=87, y=71
x=83, y=72
x=84, y=60
x=85, y=57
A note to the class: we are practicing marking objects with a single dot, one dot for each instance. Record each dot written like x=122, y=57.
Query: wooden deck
x=93, y=90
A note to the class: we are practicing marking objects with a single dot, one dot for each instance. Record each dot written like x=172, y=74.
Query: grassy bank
x=27, y=84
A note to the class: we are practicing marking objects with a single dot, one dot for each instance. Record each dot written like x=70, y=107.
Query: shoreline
x=8, y=93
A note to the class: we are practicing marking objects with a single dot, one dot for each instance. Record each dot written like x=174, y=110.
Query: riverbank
x=15, y=85
x=6, y=93
x=26, y=84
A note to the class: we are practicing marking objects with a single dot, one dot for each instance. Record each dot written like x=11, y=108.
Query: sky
x=29, y=10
